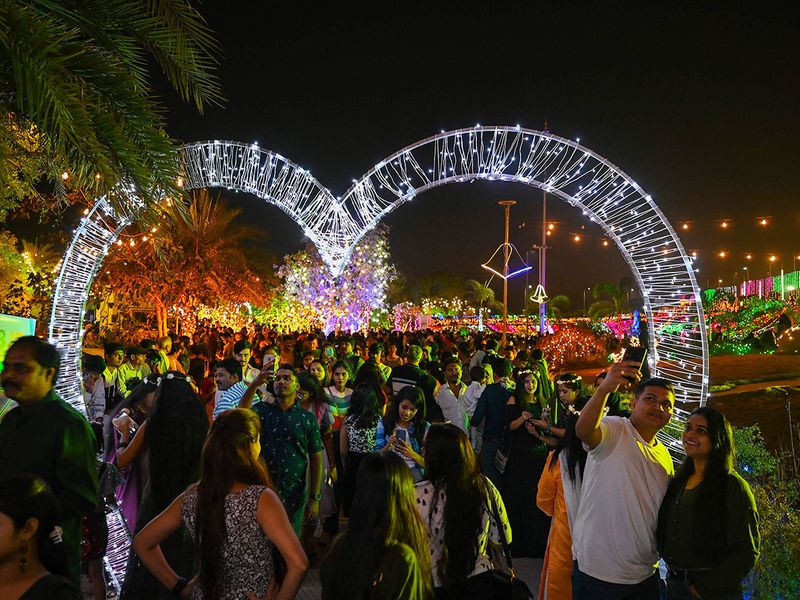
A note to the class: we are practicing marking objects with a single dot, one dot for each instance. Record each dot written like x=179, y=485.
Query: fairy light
x=564, y=168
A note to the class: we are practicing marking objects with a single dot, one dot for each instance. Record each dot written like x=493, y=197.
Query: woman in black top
x=32, y=559
x=708, y=523
x=384, y=553
x=526, y=440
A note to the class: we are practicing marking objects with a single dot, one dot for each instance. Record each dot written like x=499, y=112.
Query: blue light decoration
x=636, y=326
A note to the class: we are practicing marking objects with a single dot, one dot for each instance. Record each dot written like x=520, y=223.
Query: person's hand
x=527, y=415
x=531, y=428
x=265, y=374
x=124, y=424
x=187, y=591
x=390, y=444
x=312, y=510
x=272, y=591
x=540, y=423
x=622, y=374
x=334, y=474
x=407, y=451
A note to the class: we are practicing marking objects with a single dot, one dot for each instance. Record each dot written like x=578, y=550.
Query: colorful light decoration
x=561, y=167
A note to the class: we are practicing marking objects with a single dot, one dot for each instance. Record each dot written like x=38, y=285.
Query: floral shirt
x=288, y=438
x=360, y=439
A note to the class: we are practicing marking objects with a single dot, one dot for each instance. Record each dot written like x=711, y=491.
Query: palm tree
x=609, y=300
x=557, y=306
x=75, y=87
x=480, y=295
x=194, y=256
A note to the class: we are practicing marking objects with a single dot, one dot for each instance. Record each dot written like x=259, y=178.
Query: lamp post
x=506, y=204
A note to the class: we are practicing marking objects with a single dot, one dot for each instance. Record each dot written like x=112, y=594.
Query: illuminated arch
x=606, y=195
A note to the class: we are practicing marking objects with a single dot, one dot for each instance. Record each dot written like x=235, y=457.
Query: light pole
x=584, y=297
x=506, y=204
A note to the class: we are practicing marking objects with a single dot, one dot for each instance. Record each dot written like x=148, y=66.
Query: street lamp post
x=506, y=204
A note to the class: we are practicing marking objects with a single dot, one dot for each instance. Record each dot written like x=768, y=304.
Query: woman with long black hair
x=170, y=441
x=403, y=429
x=528, y=440
x=458, y=504
x=708, y=522
x=234, y=516
x=384, y=554
x=33, y=563
x=357, y=438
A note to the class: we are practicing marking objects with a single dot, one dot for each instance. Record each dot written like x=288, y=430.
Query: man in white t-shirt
x=626, y=476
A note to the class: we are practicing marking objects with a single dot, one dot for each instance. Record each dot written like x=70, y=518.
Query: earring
x=23, y=559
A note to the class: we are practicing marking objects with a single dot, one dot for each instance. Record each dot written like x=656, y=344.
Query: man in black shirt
x=45, y=436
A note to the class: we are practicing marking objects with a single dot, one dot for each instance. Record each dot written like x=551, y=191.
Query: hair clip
x=55, y=535
x=178, y=376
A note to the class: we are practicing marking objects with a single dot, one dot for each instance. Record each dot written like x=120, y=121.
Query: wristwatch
x=316, y=496
x=179, y=586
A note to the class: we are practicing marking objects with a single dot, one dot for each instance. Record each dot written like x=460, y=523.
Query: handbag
x=506, y=584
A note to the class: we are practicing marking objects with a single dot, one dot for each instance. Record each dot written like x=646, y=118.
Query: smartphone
x=637, y=354
x=401, y=434
x=269, y=360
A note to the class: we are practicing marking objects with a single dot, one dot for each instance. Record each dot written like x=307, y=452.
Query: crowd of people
x=408, y=465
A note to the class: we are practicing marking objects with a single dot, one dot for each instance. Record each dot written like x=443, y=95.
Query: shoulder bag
x=505, y=583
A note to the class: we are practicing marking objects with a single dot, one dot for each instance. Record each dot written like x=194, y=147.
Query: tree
x=557, y=306
x=609, y=301
x=75, y=90
x=27, y=278
x=194, y=257
x=480, y=295
x=354, y=301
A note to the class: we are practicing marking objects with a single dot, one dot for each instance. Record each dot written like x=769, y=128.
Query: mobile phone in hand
x=637, y=354
x=401, y=434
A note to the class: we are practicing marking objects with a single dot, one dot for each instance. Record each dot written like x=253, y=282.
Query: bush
x=777, y=572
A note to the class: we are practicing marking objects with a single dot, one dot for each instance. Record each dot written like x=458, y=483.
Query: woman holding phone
x=403, y=429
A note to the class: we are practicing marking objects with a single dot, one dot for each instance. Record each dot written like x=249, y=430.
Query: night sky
x=696, y=101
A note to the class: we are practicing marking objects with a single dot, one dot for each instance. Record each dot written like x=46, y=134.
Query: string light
x=335, y=226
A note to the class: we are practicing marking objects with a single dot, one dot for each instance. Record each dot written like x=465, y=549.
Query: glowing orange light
x=577, y=238
x=65, y=176
x=772, y=258
x=605, y=242
x=763, y=221
x=749, y=256
x=550, y=226
x=549, y=233
x=685, y=226
x=724, y=224
x=723, y=254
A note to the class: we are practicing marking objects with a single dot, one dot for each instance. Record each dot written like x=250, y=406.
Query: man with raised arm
x=626, y=476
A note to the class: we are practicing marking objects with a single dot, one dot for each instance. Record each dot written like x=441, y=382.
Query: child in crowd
x=478, y=378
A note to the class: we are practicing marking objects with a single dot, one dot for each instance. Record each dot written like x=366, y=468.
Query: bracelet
x=179, y=586
x=316, y=496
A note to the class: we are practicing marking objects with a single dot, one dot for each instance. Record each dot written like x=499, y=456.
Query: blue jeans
x=586, y=587
x=488, y=450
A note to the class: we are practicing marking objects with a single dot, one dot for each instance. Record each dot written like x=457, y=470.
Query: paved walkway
x=527, y=569
x=754, y=387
